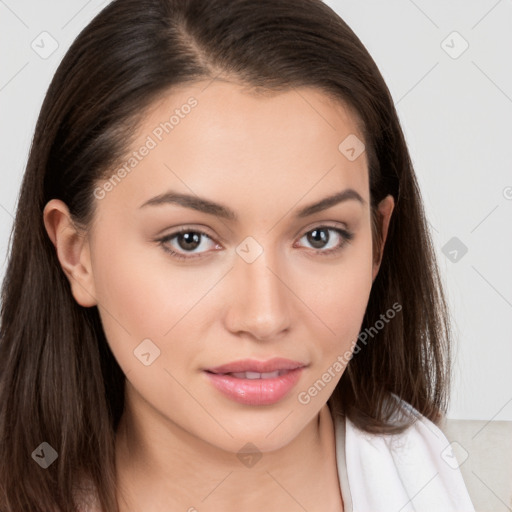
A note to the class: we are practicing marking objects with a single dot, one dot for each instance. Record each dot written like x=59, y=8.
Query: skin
x=265, y=157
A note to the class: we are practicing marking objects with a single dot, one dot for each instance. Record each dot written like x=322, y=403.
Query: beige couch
x=483, y=450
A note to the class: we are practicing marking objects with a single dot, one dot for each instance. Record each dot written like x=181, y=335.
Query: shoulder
x=86, y=497
x=407, y=471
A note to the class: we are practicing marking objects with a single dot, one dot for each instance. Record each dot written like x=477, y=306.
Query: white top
x=398, y=473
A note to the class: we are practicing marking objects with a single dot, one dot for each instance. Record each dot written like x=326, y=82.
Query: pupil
x=318, y=237
x=189, y=238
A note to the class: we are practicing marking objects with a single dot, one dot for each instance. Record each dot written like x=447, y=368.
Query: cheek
x=339, y=299
x=338, y=294
x=143, y=295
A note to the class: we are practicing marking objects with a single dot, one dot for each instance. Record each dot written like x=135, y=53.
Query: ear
x=72, y=249
x=385, y=209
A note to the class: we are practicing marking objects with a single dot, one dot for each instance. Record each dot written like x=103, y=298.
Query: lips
x=252, y=382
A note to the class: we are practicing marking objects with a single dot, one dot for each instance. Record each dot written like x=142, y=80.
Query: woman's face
x=259, y=273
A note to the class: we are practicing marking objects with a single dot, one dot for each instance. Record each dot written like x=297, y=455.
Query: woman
x=221, y=292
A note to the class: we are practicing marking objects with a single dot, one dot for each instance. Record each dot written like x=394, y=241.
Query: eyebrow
x=206, y=206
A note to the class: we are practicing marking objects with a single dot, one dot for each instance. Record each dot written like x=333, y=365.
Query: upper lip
x=252, y=365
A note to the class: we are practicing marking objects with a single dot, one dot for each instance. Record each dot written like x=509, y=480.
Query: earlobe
x=385, y=210
x=73, y=251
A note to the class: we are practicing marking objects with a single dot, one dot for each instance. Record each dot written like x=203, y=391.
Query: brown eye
x=189, y=240
x=185, y=240
x=318, y=237
x=324, y=242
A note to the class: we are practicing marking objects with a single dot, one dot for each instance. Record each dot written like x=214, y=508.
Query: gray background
x=455, y=107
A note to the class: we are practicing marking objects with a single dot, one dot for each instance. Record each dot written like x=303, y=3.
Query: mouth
x=254, y=375
x=254, y=367
x=251, y=382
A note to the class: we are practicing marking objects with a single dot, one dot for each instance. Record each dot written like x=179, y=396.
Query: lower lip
x=256, y=391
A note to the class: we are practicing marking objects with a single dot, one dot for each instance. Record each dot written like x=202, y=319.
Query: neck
x=167, y=468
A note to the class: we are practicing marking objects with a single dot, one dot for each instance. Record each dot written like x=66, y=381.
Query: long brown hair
x=59, y=381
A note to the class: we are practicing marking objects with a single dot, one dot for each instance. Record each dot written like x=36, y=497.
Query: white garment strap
x=404, y=472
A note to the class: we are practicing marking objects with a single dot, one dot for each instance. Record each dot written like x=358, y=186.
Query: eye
x=187, y=240
x=326, y=244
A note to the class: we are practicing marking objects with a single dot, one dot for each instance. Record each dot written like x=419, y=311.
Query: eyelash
x=346, y=236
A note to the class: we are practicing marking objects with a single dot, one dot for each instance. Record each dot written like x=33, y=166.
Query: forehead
x=221, y=140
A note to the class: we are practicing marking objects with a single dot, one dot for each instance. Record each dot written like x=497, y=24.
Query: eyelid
x=320, y=224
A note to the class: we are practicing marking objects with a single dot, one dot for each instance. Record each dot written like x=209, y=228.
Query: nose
x=260, y=299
